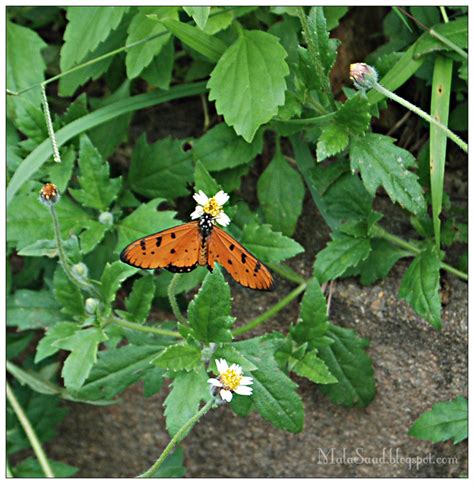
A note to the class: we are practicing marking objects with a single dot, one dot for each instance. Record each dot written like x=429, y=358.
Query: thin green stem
x=270, y=312
x=172, y=299
x=316, y=121
x=30, y=432
x=287, y=273
x=49, y=125
x=382, y=90
x=444, y=14
x=178, y=437
x=144, y=329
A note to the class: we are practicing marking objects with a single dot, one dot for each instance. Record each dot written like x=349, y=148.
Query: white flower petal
x=221, y=197
x=237, y=368
x=201, y=197
x=222, y=366
x=226, y=395
x=243, y=390
x=198, y=212
x=246, y=380
x=223, y=219
x=215, y=382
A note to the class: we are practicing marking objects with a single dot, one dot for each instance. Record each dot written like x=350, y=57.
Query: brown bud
x=49, y=194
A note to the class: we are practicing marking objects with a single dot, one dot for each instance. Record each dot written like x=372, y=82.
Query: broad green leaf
x=333, y=140
x=339, y=255
x=97, y=189
x=351, y=366
x=87, y=27
x=199, y=15
x=178, y=357
x=248, y=83
x=152, y=381
x=116, y=369
x=185, y=283
x=280, y=192
x=49, y=248
x=231, y=178
x=160, y=70
x=333, y=15
x=203, y=180
x=267, y=245
x=313, y=319
x=47, y=344
x=209, y=311
x=231, y=355
x=187, y=391
x=93, y=235
x=33, y=380
x=161, y=169
x=274, y=394
x=381, y=163
x=83, y=345
x=420, y=286
x=114, y=274
x=30, y=467
x=145, y=220
x=67, y=294
x=138, y=303
x=313, y=368
x=445, y=421
x=30, y=121
x=28, y=309
x=61, y=173
x=219, y=20
x=354, y=115
x=141, y=27
x=221, y=148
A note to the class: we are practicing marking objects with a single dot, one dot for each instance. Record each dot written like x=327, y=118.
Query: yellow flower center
x=230, y=379
x=212, y=207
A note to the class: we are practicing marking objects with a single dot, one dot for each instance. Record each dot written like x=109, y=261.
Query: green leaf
x=17, y=343
x=152, y=381
x=67, y=294
x=185, y=283
x=380, y=162
x=160, y=70
x=141, y=27
x=114, y=274
x=354, y=115
x=274, y=394
x=351, y=366
x=83, y=346
x=445, y=421
x=30, y=467
x=209, y=311
x=333, y=15
x=232, y=355
x=92, y=236
x=138, y=304
x=420, y=286
x=30, y=121
x=267, y=245
x=220, y=148
x=161, y=169
x=313, y=368
x=33, y=380
x=47, y=345
x=220, y=20
x=320, y=33
x=97, y=189
x=248, y=83
x=333, y=140
x=28, y=309
x=87, y=27
x=178, y=357
x=173, y=464
x=49, y=248
x=339, y=255
x=203, y=180
x=199, y=15
x=280, y=192
x=210, y=47
x=187, y=391
x=313, y=319
x=61, y=173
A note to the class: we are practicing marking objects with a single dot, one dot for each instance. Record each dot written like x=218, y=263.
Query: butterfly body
x=198, y=243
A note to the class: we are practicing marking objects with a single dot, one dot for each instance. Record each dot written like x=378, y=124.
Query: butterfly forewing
x=238, y=261
x=175, y=249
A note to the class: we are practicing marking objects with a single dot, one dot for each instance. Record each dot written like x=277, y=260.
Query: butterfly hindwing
x=246, y=269
x=175, y=249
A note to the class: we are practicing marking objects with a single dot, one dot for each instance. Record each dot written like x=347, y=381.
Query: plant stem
x=287, y=273
x=30, y=432
x=145, y=329
x=172, y=298
x=270, y=312
x=49, y=125
x=382, y=90
x=178, y=437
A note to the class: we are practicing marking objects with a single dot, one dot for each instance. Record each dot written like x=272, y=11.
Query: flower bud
x=91, y=305
x=80, y=270
x=106, y=218
x=49, y=194
x=363, y=76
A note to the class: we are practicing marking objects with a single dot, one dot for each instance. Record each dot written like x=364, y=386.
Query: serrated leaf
x=92, y=235
x=199, y=15
x=209, y=311
x=381, y=163
x=97, y=189
x=333, y=140
x=30, y=467
x=178, y=357
x=354, y=115
x=220, y=148
x=47, y=345
x=280, y=192
x=320, y=34
x=267, y=245
x=231, y=355
x=67, y=294
x=114, y=274
x=351, y=366
x=203, y=180
x=248, y=83
x=30, y=121
x=445, y=421
x=339, y=255
x=160, y=70
x=139, y=301
x=161, y=169
x=420, y=286
x=187, y=391
x=313, y=368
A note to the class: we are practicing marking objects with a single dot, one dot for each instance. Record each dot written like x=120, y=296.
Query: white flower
x=211, y=206
x=231, y=380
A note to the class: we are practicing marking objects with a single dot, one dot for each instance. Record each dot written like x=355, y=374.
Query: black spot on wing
x=158, y=241
x=180, y=269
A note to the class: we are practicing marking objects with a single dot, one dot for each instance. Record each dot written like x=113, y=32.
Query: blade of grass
x=40, y=154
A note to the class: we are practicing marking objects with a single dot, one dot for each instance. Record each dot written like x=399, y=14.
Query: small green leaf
x=33, y=380
x=420, y=286
x=49, y=248
x=354, y=115
x=178, y=357
x=231, y=355
x=30, y=467
x=280, y=192
x=333, y=140
x=47, y=345
x=61, y=173
x=114, y=274
x=138, y=304
x=67, y=294
x=445, y=421
x=248, y=83
x=203, y=180
x=173, y=464
x=320, y=33
x=161, y=169
x=199, y=14
x=209, y=311
x=160, y=70
x=313, y=368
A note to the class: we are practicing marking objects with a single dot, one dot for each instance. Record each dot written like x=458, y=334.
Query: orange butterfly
x=200, y=242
